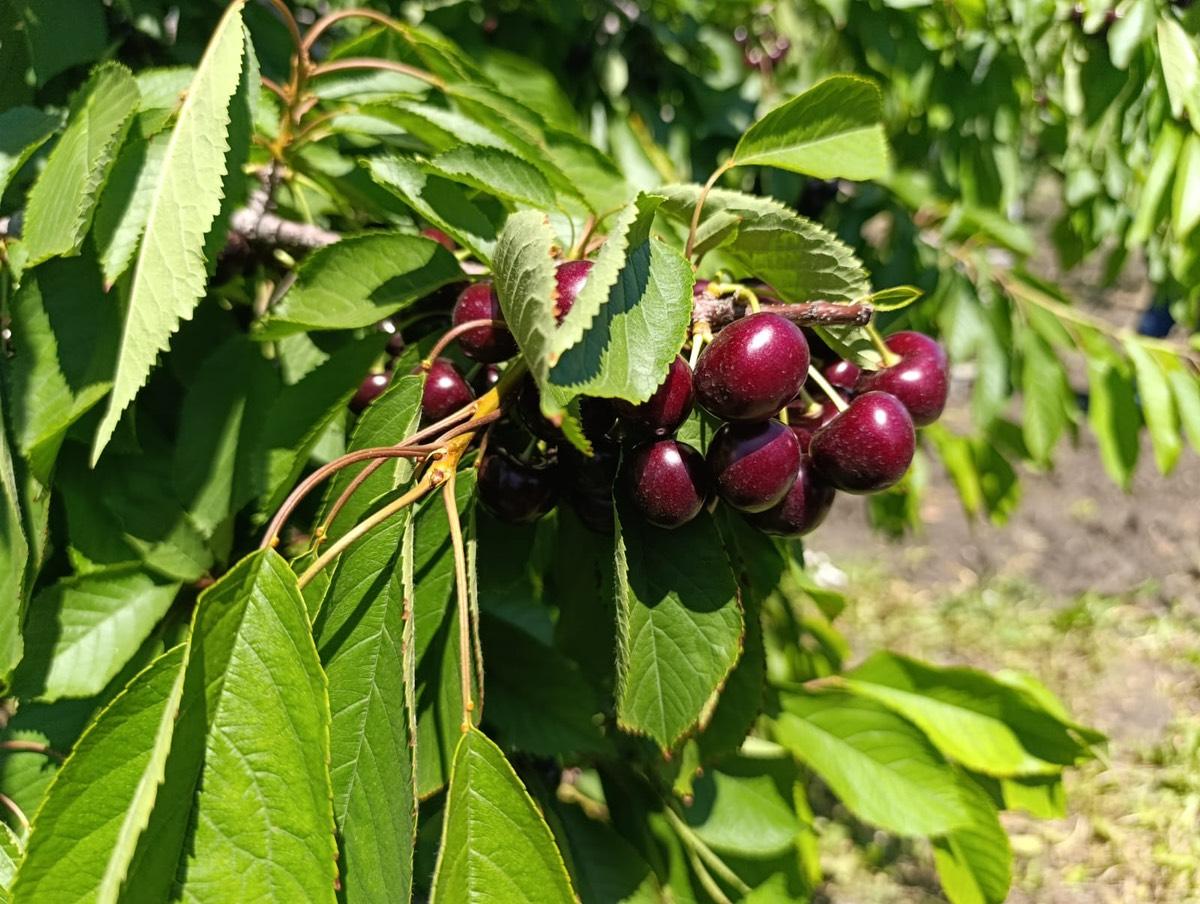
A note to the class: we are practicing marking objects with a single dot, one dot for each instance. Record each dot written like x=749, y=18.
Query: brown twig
x=455, y=331
x=11, y=805
x=351, y=63
x=31, y=747
x=719, y=312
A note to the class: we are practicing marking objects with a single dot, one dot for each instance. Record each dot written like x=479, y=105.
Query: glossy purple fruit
x=803, y=508
x=753, y=368
x=371, y=389
x=445, y=391
x=514, y=490
x=753, y=465
x=842, y=374
x=432, y=232
x=592, y=474
x=668, y=482
x=921, y=379
x=804, y=422
x=597, y=416
x=663, y=412
x=488, y=344
x=867, y=447
x=569, y=278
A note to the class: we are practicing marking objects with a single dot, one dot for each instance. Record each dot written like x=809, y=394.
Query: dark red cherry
x=445, y=391
x=432, y=232
x=921, y=379
x=753, y=368
x=668, y=482
x=803, y=508
x=514, y=490
x=395, y=343
x=867, y=447
x=371, y=389
x=842, y=374
x=488, y=344
x=569, y=278
x=597, y=416
x=487, y=377
x=805, y=422
x=592, y=474
x=753, y=465
x=663, y=412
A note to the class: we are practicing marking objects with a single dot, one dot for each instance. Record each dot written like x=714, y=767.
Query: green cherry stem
x=834, y=395
x=708, y=186
x=464, y=605
x=695, y=843
x=889, y=357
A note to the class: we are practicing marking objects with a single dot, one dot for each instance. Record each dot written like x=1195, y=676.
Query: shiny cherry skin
x=515, y=491
x=597, y=416
x=668, y=482
x=432, y=232
x=803, y=508
x=753, y=465
x=663, y=412
x=866, y=448
x=488, y=344
x=842, y=375
x=804, y=423
x=371, y=389
x=921, y=379
x=753, y=368
x=445, y=391
x=569, y=278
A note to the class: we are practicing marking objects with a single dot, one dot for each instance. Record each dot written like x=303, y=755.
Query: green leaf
x=796, y=257
x=1150, y=209
x=833, y=130
x=604, y=867
x=125, y=203
x=496, y=172
x=743, y=807
x=14, y=556
x=22, y=131
x=85, y=833
x=245, y=813
x=441, y=201
x=1185, y=204
x=82, y=630
x=974, y=862
x=11, y=850
x=1181, y=70
x=62, y=34
x=1044, y=384
x=65, y=332
x=495, y=844
x=1158, y=405
x=359, y=281
x=1041, y=796
x=679, y=624
x=970, y=717
x=629, y=321
x=63, y=198
x=879, y=765
x=893, y=299
x=524, y=274
x=202, y=159
x=1113, y=411
x=1186, y=386
x=359, y=634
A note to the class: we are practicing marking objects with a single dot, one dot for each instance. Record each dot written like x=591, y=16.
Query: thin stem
x=889, y=357
x=31, y=747
x=290, y=21
x=11, y=805
x=455, y=331
x=376, y=63
x=834, y=396
x=323, y=24
x=589, y=226
x=464, y=606
x=366, y=525
x=706, y=880
x=274, y=87
x=693, y=841
x=708, y=186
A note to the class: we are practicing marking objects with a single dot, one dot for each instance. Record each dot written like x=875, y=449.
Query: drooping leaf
x=82, y=630
x=1185, y=204
x=679, y=625
x=604, y=867
x=1158, y=406
x=359, y=281
x=359, y=634
x=85, y=834
x=63, y=199
x=125, y=203
x=1181, y=69
x=1048, y=397
x=244, y=813
x=495, y=843
x=834, y=130
x=974, y=862
x=202, y=159
x=1186, y=386
x=1041, y=796
x=1113, y=411
x=11, y=850
x=524, y=273
x=14, y=556
x=970, y=717
x=796, y=257
x=743, y=807
x=61, y=34
x=22, y=131
x=880, y=766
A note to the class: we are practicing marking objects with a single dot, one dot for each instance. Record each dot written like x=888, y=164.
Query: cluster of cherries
x=782, y=450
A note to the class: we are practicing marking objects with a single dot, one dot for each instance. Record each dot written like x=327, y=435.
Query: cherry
x=592, y=474
x=371, y=389
x=597, y=416
x=594, y=512
x=663, y=412
x=432, y=232
x=802, y=509
x=668, y=482
x=569, y=279
x=514, y=490
x=867, y=447
x=921, y=379
x=445, y=391
x=805, y=423
x=395, y=343
x=753, y=465
x=753, y=368
x=488, y=376
x=842, y=374
x=488, y=344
